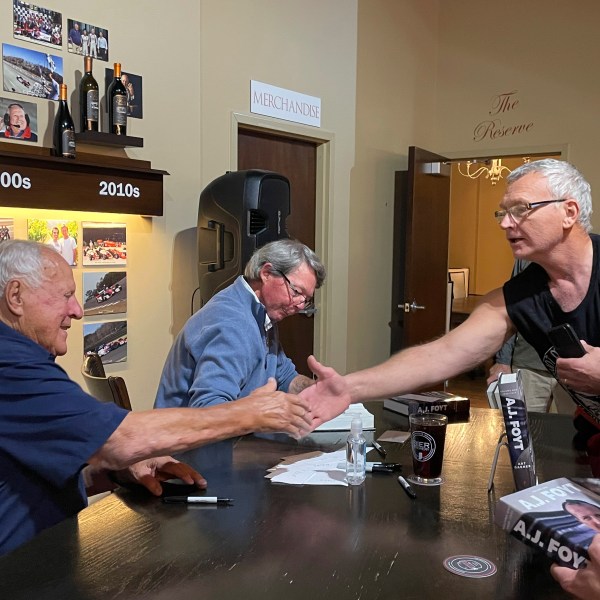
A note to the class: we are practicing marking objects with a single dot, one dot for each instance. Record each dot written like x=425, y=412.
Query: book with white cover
x=342, y=422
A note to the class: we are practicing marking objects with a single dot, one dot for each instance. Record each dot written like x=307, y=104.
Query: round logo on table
x=470, y=566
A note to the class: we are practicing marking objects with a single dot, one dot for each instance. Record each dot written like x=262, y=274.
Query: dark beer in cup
x=427, y=437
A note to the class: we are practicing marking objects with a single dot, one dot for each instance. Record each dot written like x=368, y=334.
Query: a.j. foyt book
x=520, y=447
x=443, y=403
x=559, y=517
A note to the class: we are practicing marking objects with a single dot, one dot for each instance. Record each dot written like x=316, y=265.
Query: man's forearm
x=171, y=430
x=463, y=348
x=167, y=431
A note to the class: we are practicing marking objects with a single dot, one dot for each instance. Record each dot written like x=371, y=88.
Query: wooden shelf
x=30, y=177
x=100, y=138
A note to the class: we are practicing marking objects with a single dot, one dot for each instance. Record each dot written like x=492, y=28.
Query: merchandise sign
x=284, y=104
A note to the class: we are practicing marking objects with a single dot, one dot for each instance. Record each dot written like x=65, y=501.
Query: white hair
x=23, y=260
x=564, y=181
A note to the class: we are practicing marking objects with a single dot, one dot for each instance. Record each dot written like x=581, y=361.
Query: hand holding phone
x=566, y=342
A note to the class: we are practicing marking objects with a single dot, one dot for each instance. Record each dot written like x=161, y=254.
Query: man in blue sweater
x=231, y=346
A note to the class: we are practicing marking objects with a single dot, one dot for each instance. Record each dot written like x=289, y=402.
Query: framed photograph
x=87, y=40
x=30, y=72
x=133, y=85
x=7, y=229
x=60, y=235
x=104, y=293
x=19, y=120
x=104, y=244
x=33, y=23
x=108, y=340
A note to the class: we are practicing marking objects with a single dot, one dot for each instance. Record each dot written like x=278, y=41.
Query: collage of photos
x=40, y=72
x=89, y=244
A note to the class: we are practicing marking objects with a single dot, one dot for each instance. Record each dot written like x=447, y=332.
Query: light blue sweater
x=223, y=353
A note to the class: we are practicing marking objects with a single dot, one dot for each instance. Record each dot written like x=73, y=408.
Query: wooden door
x=296, y=160
x=420, y=272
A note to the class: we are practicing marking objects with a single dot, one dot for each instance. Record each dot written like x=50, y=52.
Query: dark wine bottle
x=88, y=99
x=64, y=129
x=117, y=104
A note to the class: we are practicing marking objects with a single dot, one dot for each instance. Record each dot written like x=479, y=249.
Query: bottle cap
x=356, y=426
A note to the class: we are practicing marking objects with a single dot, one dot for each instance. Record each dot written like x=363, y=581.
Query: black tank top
x=533, y=311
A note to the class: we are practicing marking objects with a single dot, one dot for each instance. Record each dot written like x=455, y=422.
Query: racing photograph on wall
x=30, y=72
x=104, y=292
x=104, y=244
x=33, y=23
x=108, y=340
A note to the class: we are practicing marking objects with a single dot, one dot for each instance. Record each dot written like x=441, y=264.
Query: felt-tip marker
x=406, y=487
x=379, y=449
x=196, y=500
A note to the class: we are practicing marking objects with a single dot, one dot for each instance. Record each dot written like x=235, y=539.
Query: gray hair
x=564, y=181
x=285, y=255
x=23, y=260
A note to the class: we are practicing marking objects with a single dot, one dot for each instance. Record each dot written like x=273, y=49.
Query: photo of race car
x=108, y=292
x=107, y=339
x=104, y=292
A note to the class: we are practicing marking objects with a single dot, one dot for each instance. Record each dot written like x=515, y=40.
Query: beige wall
x=396, y=57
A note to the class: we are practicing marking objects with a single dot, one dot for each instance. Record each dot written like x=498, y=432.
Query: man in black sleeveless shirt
x=545, y=214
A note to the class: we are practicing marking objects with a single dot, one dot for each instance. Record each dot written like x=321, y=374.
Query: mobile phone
x=566, y=341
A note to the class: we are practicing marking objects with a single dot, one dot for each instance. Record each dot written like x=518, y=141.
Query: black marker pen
x=406, y=487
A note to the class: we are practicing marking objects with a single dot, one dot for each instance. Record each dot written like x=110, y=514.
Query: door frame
x=324, y=142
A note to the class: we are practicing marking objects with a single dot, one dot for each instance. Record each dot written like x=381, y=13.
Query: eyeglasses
x=519, y=211
x=296, y=293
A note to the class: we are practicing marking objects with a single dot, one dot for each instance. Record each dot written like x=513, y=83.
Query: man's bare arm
x=166, y=431
x=463, y=348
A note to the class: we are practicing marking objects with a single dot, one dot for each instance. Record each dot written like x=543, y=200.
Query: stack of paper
x=342, y=422
x=312, y=468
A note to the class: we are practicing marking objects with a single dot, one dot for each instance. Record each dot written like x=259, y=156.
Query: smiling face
x=276, y=295
x=47, y=311
x=540, y=229
x=17, y=118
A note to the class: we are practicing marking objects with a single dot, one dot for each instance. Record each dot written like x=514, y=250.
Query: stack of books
x=443, y=403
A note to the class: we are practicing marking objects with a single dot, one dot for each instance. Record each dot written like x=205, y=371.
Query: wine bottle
x=64, y=129
x=88, y=98
x=117, y=104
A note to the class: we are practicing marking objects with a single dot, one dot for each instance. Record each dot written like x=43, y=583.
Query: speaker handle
x=220, y=264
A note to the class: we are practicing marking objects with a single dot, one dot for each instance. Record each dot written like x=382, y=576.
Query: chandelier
x=492, y=168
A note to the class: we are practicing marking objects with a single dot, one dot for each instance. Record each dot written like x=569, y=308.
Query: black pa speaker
x=238, y=213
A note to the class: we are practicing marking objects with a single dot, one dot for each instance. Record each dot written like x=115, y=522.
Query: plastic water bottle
x=356, y=454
